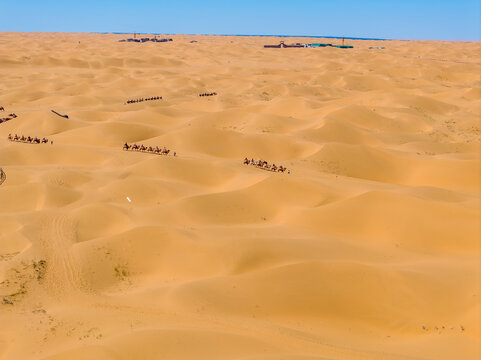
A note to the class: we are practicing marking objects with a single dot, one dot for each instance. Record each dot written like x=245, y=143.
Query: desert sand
x=369, y=248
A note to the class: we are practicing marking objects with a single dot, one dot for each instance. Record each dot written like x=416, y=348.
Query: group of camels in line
x=28, y=139
x=266, y=166
x=10, y=116
x=134, y=147
x=261, y=164
x=134, y=101
x=149, y=149
x=142, y=99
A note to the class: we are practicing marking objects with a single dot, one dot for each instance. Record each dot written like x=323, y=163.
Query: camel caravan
x=10, y=117
x=28, y=139
x=142, y=99
x=149, y=149
x=264, y=165
x=135, y=101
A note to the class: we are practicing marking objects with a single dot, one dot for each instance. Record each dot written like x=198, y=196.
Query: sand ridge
x=368, y=249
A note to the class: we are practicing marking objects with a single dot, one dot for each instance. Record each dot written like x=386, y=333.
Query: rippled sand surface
x=368, y=249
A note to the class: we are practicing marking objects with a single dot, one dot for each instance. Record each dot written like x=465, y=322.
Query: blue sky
x=402, y=19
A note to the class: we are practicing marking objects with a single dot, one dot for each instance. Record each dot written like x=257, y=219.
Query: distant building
x=282, y=44
x=299, y=45
x=142, y=40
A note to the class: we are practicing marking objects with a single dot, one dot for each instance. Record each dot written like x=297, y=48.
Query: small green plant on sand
x=121, y=271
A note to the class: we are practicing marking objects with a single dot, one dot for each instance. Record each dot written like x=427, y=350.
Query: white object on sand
x=128, y=199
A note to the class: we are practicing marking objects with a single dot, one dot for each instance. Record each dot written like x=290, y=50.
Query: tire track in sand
x=63, y=273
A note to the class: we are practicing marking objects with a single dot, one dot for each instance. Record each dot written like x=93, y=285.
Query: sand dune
x=368, y=249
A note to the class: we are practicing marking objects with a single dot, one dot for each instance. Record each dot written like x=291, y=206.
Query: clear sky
x=397, y=19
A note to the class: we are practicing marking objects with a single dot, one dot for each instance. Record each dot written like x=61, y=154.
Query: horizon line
x=247, y=35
